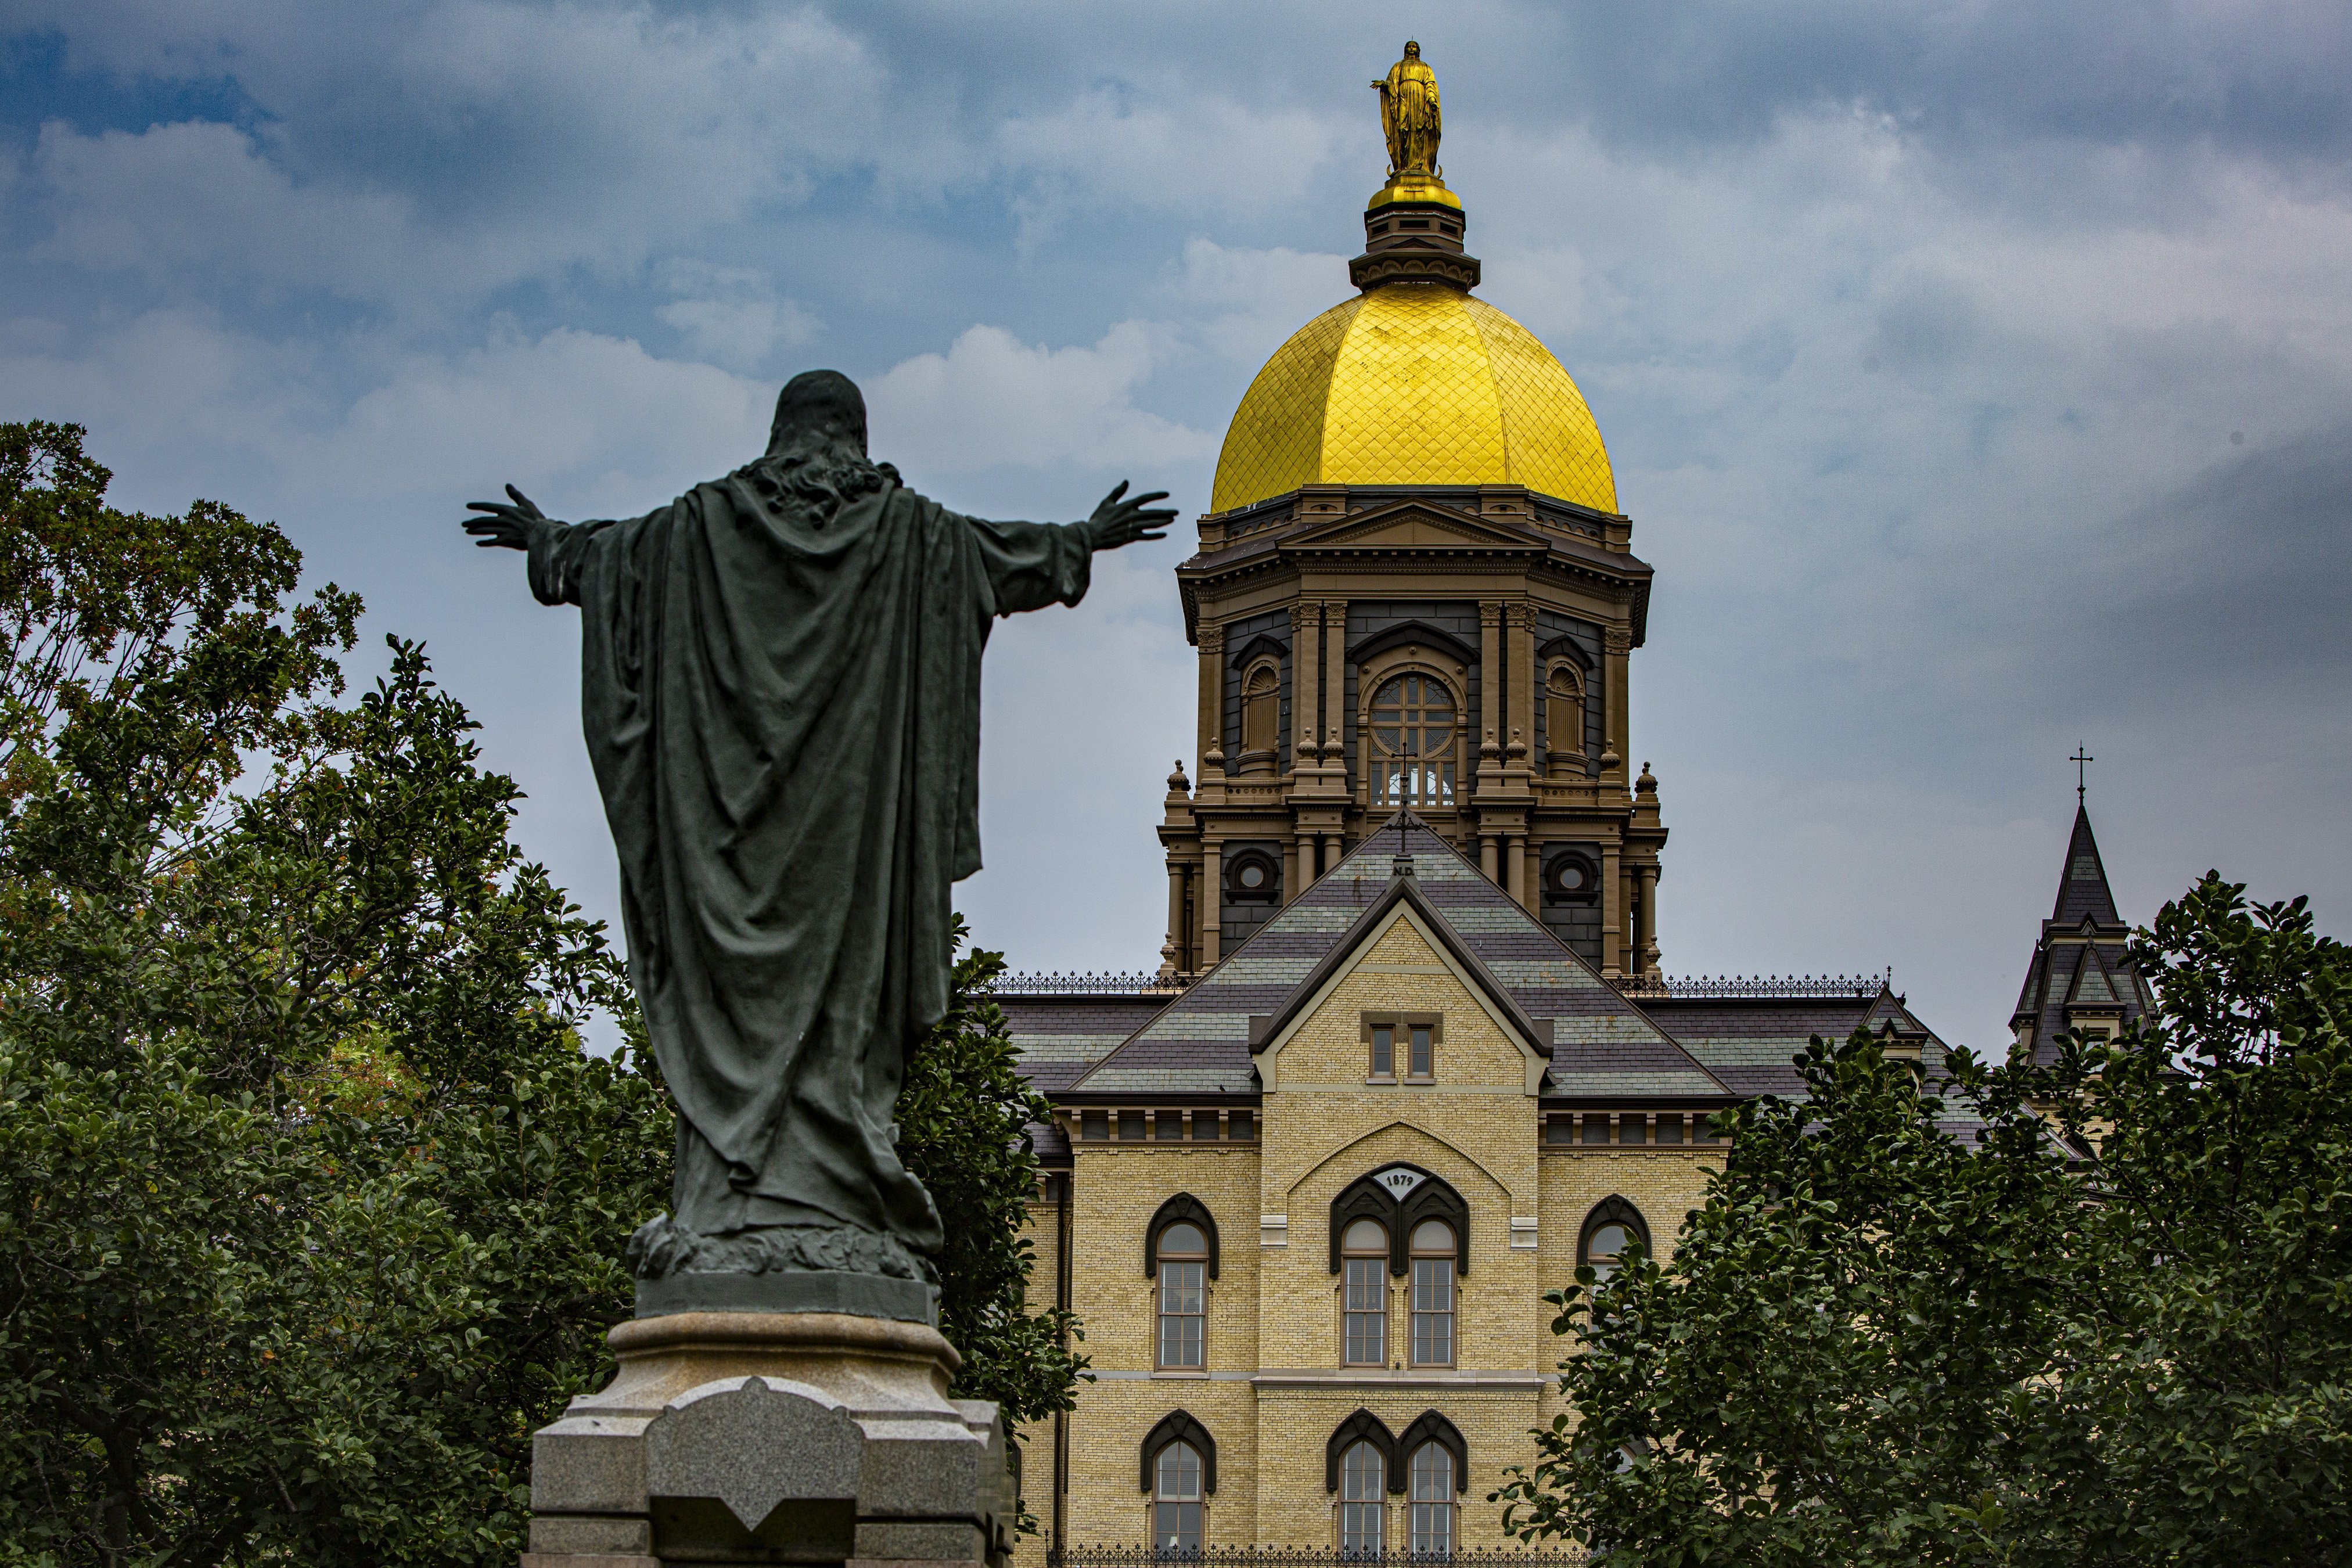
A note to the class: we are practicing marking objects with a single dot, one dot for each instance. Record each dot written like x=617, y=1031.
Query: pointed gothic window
x=1412, y=719
x=1433, y=1500
x=1176, y=1499
x=1364, y=1475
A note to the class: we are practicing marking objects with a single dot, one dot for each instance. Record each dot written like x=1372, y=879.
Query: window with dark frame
x=1412, y=720
x=1570, y=879
x=1564, y=718
x=1363, y=1477
x=1433, y=1252
x=1364, y=1259
x=1400, y=1048
x=1432, y=1523
x=1184, y=1292
x=1252, y=877
x=1261, y=715
x=1176, y=1499
x=1611, y=1227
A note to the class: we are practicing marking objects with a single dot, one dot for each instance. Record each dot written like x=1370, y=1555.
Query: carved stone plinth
x=801, y=1437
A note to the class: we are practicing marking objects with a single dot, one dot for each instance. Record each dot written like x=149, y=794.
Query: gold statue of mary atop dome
x=1409, y=115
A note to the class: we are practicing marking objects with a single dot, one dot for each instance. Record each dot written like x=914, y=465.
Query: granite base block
x=781, y=1437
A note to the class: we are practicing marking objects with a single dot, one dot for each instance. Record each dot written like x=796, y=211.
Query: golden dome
x=1413, y=384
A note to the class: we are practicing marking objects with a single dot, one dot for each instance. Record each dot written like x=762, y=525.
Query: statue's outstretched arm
x=523, y=526
x=1119, y=521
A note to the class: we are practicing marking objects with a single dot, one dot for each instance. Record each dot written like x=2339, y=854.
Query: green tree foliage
x=310, y=1204
x=2098, y=1313
x=964, y=1118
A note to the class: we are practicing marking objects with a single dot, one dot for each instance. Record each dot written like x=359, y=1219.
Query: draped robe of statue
x=1409, y=115
x=784, y=712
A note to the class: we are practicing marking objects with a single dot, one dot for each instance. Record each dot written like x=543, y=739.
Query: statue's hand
x=1124, y=522
x=504, y=527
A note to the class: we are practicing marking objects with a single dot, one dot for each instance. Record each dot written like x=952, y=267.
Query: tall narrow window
x=1383, y=1051
x=1564, y=720
x=1433, y=1500
x=1261, y=719
x=1433, y=1293
x=1421, y=1053
x=1364, y=1254
x=1413, y=742
x=1176, y=1499
x=1362, y=1476
x=1183, y=1257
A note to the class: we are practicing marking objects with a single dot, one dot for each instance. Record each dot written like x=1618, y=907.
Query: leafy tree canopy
x=310, y=1201
x=2094, y=1312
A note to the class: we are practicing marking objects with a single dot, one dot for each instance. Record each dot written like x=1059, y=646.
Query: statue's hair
x=817, y=448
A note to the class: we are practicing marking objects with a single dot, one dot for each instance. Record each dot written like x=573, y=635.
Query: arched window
x=1433, y=1252
x=1261, y=715
x=1564, y=718
x=1363, y=1477
x=1364, y=1307
x=1411, y=720
x=1184, y=1292
x=1176, y=1499
x=1611, y=1227
x=1433, y=1499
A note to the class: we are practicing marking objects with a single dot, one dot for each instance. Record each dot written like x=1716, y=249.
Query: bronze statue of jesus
x=780, y=683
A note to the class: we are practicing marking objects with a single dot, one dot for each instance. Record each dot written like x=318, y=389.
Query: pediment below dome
x=1410, y=525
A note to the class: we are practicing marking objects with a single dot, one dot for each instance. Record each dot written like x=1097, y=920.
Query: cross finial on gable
x=2081, y=759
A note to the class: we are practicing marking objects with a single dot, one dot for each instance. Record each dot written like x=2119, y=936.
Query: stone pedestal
x=801, y=1438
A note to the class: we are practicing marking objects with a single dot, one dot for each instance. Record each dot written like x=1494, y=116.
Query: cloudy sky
x=1978, y=377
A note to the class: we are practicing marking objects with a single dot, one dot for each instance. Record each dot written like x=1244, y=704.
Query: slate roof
x=2079, y=960
x=1602, y=1044
x=1748, y=1041
x=2083, y=880
x=1061, y=1035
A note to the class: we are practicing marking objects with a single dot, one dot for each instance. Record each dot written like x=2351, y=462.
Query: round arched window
x=1261, y=718
x=1564, y=719
x=1183, y=1295
x=1433, y=1293
x=1412, y=720
x=1364, y=1255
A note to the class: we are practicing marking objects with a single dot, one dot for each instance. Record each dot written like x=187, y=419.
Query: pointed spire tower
x=2079, y=978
